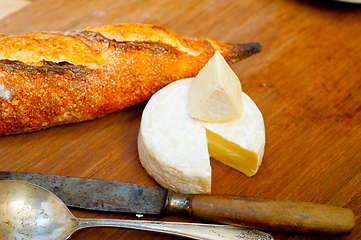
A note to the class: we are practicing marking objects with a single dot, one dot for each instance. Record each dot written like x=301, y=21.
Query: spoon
x=28, y=211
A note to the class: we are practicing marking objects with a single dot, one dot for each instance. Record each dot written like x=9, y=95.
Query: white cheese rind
x=173, y=146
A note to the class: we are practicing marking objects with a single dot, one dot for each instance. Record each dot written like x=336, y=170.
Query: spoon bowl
x=28, y=211
x=31, y=212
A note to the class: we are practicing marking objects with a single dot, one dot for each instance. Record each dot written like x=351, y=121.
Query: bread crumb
x=5, y=93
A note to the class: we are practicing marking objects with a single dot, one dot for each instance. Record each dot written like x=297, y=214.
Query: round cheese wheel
x=173, y=146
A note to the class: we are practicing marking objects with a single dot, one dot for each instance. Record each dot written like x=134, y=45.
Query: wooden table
x=306, y=82
x=8, y=7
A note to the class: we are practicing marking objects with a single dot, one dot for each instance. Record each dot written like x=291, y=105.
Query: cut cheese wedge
x=174, y=148
x=215, y=94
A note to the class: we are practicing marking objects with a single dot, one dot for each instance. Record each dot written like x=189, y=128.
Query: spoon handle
x=189, y=230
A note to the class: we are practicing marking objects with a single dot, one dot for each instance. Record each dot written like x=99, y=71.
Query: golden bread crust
x=53, y=78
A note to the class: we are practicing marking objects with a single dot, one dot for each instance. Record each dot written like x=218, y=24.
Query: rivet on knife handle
x=264, y=213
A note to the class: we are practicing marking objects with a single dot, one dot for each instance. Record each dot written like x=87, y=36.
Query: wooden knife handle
x=265, y=213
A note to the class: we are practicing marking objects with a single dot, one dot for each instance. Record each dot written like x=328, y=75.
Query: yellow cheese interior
x=232, y=154
x=215, y=94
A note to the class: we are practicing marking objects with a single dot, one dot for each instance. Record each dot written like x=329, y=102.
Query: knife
x=254, y=212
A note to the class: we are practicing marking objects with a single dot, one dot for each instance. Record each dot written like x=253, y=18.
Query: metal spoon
x=28, y=211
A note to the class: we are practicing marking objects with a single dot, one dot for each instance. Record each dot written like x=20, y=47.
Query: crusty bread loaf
x=53, y=78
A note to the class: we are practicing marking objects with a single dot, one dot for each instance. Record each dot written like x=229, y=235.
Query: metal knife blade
x=97, y=194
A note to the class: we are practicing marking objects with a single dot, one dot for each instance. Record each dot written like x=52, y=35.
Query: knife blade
x=255, y=212
x=97, y=194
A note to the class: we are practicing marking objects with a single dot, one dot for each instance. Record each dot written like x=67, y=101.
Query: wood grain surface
x=306, y=82
x=8, y=7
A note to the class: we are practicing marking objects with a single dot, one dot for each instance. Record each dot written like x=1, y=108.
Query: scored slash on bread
x=54, y=78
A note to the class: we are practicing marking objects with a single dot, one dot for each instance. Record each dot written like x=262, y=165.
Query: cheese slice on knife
x=215, y=94
x=174, y=148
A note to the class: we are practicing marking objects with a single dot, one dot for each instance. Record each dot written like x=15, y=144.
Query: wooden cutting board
x=8, y=7
x=306, y=82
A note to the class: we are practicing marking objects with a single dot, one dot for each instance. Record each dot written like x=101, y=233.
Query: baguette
x=54, y=78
